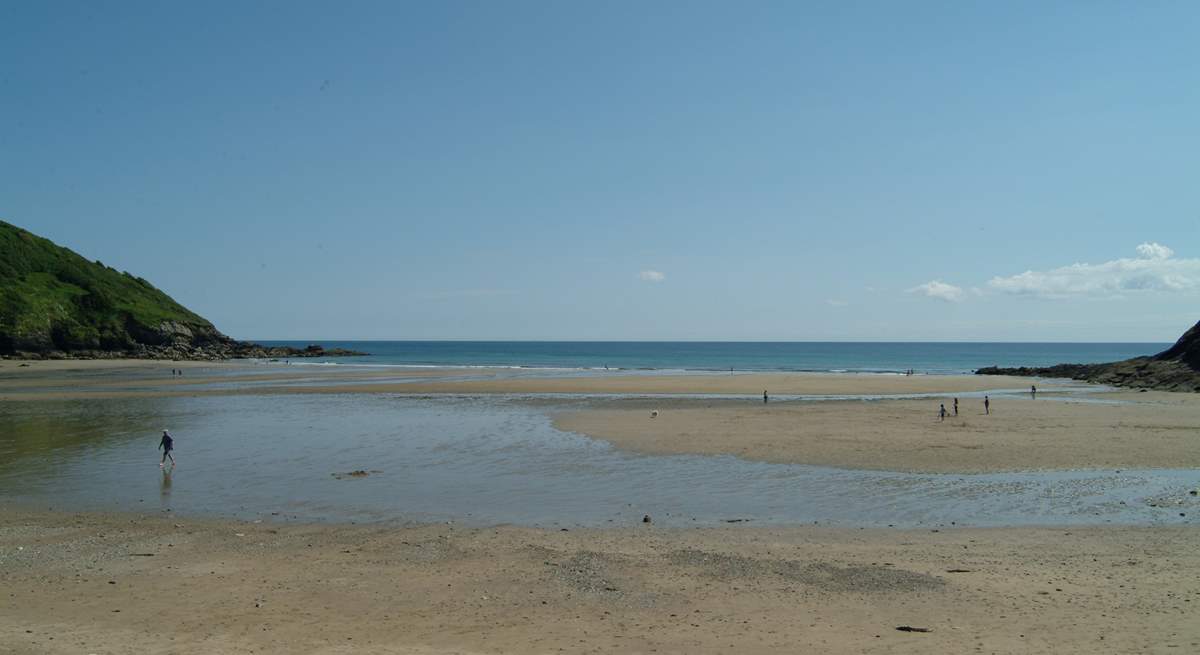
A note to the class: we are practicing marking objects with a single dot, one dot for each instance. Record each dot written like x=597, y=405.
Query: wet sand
x=129, y=379
x=95, y=583
x=1150, y=430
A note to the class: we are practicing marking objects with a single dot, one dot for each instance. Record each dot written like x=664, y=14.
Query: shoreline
x=327, y=588
x=137, y=378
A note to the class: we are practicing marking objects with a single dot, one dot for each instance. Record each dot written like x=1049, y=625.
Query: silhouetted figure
x=166, y=445
x=956, y=406
x=764, y=396
x=942, y=412
x=987, y=405
x=1033, y=391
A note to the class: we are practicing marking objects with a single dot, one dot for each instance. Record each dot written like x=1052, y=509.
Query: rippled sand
x=99, y=583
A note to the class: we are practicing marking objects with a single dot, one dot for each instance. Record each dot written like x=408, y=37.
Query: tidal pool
x=493, y=460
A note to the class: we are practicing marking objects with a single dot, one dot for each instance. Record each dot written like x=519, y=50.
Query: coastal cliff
x=56, y=304
x=1174, y=369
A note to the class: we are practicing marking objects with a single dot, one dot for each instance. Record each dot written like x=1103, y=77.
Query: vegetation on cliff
x=53, y=302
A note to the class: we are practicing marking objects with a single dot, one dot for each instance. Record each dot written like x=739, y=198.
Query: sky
x=935, y=171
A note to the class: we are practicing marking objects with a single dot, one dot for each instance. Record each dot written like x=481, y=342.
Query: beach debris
x=141, y=554
x=654, y=413
x=1194, y=492
x=909, y=628
x=646, y=519
x=958, y=570
x=738, y=520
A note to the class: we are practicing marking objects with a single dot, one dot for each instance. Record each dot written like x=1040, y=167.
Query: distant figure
x=942, y=412
x=1033, y=391
x=764, y=396
x=987, y=405
x=956, y=406
x=167, y=445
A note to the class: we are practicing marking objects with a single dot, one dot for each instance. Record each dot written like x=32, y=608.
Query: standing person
x=1033, y=391
x=764, y=396
x=942, y=412
x=987, y=405
x=956, y=406
x=166, y=445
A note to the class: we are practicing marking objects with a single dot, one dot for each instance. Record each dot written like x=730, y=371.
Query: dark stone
x=1174, y=369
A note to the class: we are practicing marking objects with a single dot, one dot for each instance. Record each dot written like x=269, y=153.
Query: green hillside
x=51, y=299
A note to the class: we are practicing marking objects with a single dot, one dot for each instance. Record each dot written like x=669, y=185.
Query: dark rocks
x=1174, y=369
x=212, y=349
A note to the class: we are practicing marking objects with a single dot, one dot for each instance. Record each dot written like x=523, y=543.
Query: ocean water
x=865, y=357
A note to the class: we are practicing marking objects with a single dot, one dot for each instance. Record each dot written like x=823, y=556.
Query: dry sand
x=92, y=583
x=1154, y=430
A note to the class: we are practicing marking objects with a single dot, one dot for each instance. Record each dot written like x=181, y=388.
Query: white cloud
x=1155, y=269
x=651, y=276
x=836, y=303
x=1154, y=251
x=940, y=290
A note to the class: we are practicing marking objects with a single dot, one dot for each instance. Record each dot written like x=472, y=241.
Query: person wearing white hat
x=166, y=445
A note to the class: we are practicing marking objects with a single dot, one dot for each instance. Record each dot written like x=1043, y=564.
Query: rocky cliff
x=55, y=303
x=1174, y=369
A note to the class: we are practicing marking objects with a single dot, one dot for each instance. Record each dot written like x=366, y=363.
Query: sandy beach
x=1149, y=430
x=61, y=379
x=1125, y=430
x=97, y=583
x=157, y=582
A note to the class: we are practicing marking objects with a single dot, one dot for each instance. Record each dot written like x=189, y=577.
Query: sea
x=800, y=356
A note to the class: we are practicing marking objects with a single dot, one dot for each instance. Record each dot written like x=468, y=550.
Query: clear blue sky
x=621, y=170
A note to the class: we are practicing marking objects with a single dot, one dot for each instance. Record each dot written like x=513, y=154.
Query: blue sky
x=671, y=170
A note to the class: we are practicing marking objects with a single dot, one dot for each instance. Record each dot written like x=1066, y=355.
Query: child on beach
x=987, y=405
x=942, y=412
x=166, y=445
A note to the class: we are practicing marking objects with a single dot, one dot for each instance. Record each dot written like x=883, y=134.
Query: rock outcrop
x=1174, y=369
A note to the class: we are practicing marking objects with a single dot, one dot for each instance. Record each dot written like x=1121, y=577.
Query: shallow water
x=489, y=460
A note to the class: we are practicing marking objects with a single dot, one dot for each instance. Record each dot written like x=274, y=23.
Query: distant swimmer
x=942, y=412
x=166, y=445
x=1033, y=391
x=764, y=396
x=956, y=406
x=987, y=405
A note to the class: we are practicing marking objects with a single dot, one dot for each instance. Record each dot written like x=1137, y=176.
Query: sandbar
x=1146, y=430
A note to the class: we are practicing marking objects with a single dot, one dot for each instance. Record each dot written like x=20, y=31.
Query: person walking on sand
x=764, y=396
x=987, y=405
x=1033, y=391
x=166, y=445
x=956, y=406
x=942, y=412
